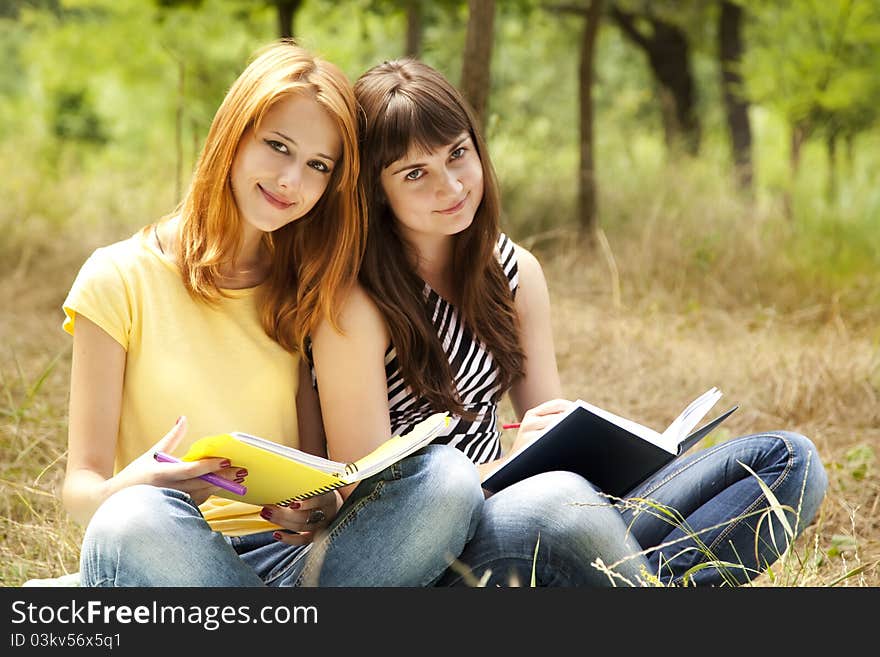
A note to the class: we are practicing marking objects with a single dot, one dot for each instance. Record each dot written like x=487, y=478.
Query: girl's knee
x=558, y=488
x=454, y=476
x=132, y=514
x=806, y=480
x=810, y=475
x=805, y=462
x=558, y=504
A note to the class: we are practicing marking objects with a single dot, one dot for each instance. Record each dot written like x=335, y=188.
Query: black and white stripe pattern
x=473, y=368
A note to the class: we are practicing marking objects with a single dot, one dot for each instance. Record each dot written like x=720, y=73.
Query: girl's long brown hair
x=406, y=104
x=315, y=259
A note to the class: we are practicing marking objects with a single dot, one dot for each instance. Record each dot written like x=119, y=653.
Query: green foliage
x=816, y=62
x=125, y=90
x=74, y=117
x=859, y=461
x=841, y=544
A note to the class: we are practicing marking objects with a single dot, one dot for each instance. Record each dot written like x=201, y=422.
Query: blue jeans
x=704, y=508
x=401, y=527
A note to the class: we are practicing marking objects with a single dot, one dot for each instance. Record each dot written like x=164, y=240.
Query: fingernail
x=267, y=514
x=276, y=536
x=295, y=505
x=225, y=463
x=241, y=473
x=179, y=418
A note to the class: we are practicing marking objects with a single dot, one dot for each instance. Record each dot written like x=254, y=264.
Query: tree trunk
x=476, y=67
x=668, y=55
x=286, y=14
x=587, y=204
x=850, y=141
x=831, y=144
x=736, y=107
x=414, y=22
x=798, y=136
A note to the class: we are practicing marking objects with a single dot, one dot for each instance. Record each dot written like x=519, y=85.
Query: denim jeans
x=401, y=527
x=703, y=510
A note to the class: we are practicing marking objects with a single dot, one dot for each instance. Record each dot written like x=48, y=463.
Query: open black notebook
x=613, y=453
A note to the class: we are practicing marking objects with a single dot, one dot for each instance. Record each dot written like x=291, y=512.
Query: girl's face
x=435, y=193
x=282, y=169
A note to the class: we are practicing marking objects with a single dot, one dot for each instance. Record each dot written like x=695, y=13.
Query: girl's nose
x=451, y=184
x=290, y=177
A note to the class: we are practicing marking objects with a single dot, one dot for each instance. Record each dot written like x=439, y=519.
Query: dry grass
x=808, y=370
x=641, y=344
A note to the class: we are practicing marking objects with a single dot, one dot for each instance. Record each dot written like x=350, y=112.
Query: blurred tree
x=13, y=8
x=668, y=51
x=287, y=10
x=587, y=204
x=477, y=58
x=74, y=118
x=678, y=32
x=418, y=14
x=816, y=66
x=736, y=105
x=414, y=28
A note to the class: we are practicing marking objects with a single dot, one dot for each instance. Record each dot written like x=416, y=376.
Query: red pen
x=512, y=425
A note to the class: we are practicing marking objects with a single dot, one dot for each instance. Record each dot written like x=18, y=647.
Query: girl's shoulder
x=506, y=248
x=518, y=263
x=528, y=263
x=123, y=268
x=113, y=260
x=506, y=253
x=358, y=314
x=128, y=254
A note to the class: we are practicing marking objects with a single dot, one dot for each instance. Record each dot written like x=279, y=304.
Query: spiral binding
x=350, y=469
x=311, y=493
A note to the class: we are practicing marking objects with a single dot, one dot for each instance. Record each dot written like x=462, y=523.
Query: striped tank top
x=473, y=368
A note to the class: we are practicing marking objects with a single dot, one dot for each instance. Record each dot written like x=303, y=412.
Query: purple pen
x=217, y=480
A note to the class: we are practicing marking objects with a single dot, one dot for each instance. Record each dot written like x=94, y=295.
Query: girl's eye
x=277, y=146
x=415, y=174
x=457, y=153
x=317, y=165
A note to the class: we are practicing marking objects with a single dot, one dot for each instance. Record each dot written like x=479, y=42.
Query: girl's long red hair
x=316, y=258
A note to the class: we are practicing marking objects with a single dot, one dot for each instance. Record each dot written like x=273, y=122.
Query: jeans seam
x=327, y=540
x=773, y=486
x=726, y=531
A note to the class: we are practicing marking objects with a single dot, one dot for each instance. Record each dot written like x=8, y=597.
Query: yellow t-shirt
x=213, y=364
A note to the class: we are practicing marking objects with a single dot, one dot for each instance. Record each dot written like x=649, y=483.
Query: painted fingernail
x=241, y=473
x=276, y=536
x=295, y=505
x=267, y=514
x=179, y=419
x=225, y=463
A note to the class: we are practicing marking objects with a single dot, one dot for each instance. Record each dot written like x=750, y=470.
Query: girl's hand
x=537, y=419
x=303, y=518
x=180, y=476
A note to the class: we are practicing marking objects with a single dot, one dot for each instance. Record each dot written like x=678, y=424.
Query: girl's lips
x=281, y=204
x=455, y=208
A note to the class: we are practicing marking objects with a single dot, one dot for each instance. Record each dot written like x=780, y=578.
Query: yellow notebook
x=278, y=474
